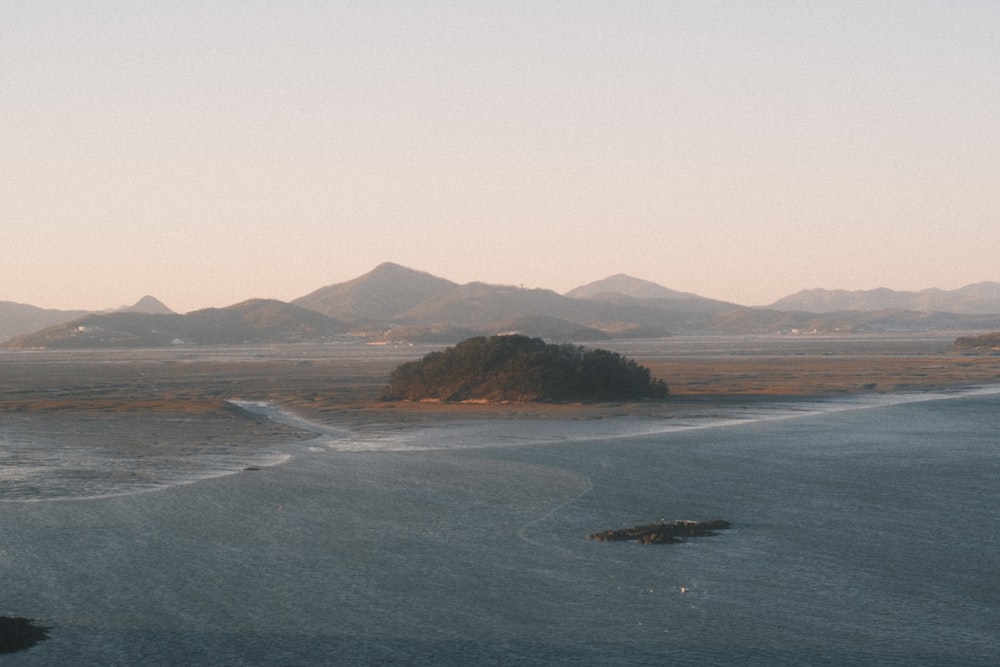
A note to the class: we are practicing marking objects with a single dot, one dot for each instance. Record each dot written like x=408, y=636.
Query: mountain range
x=253, y=321
x=392, y=303
x=976, y=299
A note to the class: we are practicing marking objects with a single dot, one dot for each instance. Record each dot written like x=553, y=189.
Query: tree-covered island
x=521, y=369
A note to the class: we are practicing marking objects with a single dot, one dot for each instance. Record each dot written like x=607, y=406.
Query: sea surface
x=864, y=532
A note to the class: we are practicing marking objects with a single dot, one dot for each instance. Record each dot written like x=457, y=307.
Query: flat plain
x=342, y=382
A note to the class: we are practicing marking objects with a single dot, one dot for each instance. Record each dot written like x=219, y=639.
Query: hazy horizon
x=210, y=153
x=294, y=297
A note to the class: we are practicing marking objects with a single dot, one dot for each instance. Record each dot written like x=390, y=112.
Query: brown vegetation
x=802, y=376
x=990, y=341
x=345, y=383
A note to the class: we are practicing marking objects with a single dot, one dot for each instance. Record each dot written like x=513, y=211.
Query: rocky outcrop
x=665, y=532
x=17, y=634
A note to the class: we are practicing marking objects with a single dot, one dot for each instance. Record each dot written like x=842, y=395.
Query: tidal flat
x=148, y=406
x=344, y=382
x=299, y=519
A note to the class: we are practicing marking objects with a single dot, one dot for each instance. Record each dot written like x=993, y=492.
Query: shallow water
x=862, y=534
x=50, y=458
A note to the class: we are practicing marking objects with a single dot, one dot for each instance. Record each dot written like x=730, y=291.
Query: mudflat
x=343, y=382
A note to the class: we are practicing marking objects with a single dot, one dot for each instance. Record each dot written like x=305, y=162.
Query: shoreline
x=686, y=414
x=343, y=384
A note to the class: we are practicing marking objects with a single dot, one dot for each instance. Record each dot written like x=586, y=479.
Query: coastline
x=342, y=385
x=154, y=418
x=364, y=525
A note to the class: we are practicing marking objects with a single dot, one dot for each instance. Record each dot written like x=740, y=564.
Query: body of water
x=863, y=533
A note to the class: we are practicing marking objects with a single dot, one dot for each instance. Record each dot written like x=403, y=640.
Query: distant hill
x=395, y=303
x=544, y=326
x=687, y=304
x=254, y=321
x=482, y=307
x=480, y=304
x=627, y=286
x=551, y=328
x=976, y=299
x=17, y=319
x=378, y=296
x=625, y=290
x=147, y=304
x=20, y=318
x=523, y=369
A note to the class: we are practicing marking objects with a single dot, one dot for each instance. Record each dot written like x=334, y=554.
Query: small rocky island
x=17, y=634
x=520, y=369
x=665, y=532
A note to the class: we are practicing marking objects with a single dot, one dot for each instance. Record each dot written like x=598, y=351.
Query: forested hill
x=522, y=369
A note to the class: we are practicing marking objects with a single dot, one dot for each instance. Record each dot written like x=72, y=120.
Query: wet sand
x=178, y=400
x=159, y=389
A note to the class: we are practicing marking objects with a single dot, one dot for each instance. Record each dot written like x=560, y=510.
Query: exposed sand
x=154, y=390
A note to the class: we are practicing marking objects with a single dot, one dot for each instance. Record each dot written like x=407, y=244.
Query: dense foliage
x=518, y=368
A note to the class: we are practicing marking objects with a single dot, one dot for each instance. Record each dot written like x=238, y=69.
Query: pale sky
x=209, y=152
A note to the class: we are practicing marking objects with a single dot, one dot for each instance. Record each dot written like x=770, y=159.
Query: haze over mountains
x=624, y=285
x=393, y=303
x=976, y=299
x=18, y=318
x=147, y=304
x=253, y=321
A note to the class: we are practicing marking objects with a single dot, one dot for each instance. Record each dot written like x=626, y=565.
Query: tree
x=518, y=368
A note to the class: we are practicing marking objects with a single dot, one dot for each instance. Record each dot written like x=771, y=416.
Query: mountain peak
x=626, y=285
x=393, y=271
x=379, y=295
x=147, y=304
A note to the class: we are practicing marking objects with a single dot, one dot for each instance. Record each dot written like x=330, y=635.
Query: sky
x=210, y=152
